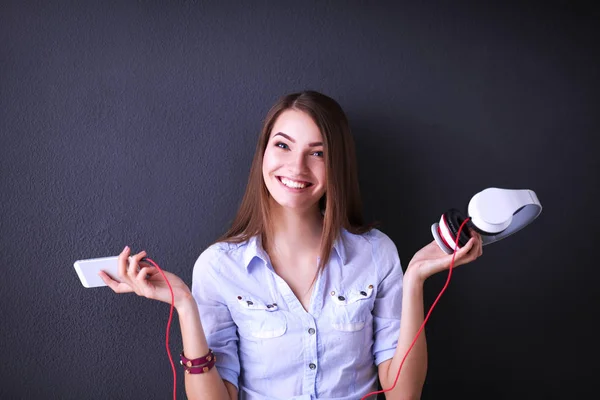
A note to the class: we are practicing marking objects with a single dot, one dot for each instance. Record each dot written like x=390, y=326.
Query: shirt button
x=311, y=331
x=312, y=366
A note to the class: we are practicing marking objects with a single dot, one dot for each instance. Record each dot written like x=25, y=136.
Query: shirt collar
x=254, y=249
x=340, y=247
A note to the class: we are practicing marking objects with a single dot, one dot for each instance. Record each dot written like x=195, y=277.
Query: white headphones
x=494, y=213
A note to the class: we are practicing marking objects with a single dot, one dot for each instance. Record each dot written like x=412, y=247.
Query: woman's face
x=293, y=165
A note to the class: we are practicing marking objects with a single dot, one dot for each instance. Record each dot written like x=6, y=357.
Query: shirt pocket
x=257, y=319
x=351, y=308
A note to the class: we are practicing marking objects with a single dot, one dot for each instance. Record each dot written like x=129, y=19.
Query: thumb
x=444, y=262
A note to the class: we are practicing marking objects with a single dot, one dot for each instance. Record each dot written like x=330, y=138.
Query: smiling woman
x=300, y=299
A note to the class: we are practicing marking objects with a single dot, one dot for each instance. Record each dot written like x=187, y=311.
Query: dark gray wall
x=136, y=123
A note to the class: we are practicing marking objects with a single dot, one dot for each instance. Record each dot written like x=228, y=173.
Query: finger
x=134, y=261
x=479, y=243
x=475, y=234
x=146, y=273
x=475, y=250
x=143, y=287
x=463, y=253
x=105, y=277
x=117, y=287
x=123, y=263
x=466, y=248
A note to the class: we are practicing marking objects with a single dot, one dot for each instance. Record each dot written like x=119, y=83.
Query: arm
x=200, y=386
x=414, y=369
x=426, y=262
x=149, y=283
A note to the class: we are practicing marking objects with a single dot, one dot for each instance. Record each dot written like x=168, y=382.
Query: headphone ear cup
x=454, y=219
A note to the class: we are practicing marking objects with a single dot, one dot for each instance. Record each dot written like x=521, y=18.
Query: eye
x=318, y=153
x=282, y=145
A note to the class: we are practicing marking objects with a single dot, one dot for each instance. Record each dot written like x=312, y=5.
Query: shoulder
x=373, y=247
x=215, y=256
x=374, y=239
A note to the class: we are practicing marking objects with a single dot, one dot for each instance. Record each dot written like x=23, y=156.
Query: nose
x=297, y=163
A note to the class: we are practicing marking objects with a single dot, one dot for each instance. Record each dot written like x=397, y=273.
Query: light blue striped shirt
x=272, y=349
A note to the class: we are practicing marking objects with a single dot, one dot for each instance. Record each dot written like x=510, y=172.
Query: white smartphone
x=87, y=270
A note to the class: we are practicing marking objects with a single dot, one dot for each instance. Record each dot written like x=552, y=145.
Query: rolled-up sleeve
x=388, y=303
x=219, y=328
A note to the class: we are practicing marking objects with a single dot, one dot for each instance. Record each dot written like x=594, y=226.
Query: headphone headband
x=502, y=212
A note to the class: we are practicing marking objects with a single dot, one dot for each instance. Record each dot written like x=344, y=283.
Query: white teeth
x=292, y=184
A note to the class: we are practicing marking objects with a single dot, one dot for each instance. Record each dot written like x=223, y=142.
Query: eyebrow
x=313, y=144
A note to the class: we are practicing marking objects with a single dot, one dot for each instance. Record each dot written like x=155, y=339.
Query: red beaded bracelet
x=198, y=365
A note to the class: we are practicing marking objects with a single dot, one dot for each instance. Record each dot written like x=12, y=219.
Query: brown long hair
x=341, y=203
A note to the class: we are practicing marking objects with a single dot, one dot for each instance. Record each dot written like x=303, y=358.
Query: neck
x=295, y=231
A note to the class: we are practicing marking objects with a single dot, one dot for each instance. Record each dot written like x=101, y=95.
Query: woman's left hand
x=431, y=259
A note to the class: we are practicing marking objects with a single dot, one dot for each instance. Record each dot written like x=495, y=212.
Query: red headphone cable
x=426, y=318
x=168, y=325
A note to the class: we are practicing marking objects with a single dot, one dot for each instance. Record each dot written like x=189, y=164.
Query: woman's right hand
x=145, y=280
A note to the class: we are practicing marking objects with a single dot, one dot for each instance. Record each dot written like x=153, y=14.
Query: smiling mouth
x=293, y=184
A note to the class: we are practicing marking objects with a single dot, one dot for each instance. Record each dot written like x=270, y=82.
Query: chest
x=271, y=304
x=300, y=276
x=278, y=301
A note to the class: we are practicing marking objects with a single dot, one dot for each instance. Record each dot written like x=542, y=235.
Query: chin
x=295, y=206
x=292, y=206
